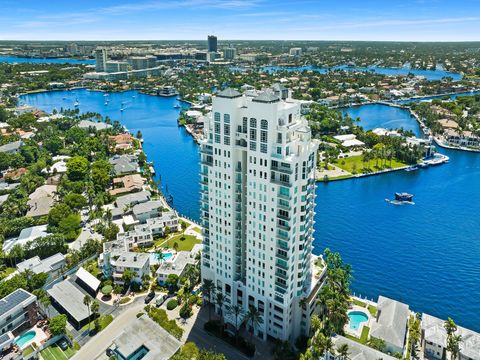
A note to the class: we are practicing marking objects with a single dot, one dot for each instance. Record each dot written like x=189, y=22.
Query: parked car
x=63, y=344
x=161, y=299
x=149, y=297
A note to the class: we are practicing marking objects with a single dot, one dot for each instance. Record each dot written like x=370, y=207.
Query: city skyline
x=374, y=20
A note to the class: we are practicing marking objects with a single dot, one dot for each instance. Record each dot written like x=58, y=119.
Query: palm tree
x=254, y=317
x=87, y=300
x=343, y=351
x=453, y=345
x=450, y=326
x=220, y=300
x=237, y=312
x=207, y=288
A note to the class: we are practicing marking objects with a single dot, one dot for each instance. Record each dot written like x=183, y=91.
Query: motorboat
x=403, y=196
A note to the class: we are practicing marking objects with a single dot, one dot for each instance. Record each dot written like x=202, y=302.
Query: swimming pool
x=356, y=319
x=154, y=258
x=25, y=338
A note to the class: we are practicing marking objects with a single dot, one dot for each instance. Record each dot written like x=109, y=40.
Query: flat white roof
x=88, y=278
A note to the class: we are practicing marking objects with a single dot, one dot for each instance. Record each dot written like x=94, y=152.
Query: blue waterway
x=14, y=59
x=377, y=115
x=428, y=74
x=425, y=255
x=172, y=150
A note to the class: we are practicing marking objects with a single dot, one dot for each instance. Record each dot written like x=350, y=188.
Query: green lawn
x=54, y=352
x=197, y=230
x=5, y=272
x=358, y=302
x=373, y=310
x=104, y=321
x=28, y=350
x=363, y=337
x=185, y=244
x=355, y=165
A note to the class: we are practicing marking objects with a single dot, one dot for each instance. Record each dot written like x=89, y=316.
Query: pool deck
x=357, y=333
x=40, y=337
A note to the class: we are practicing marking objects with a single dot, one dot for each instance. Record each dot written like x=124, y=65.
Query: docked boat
x=76, y=104
x=411, y=168
x=403, y=196
x=176, y=106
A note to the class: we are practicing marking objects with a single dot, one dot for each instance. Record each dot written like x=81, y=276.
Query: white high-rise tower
x=100, y=59
x=257, y=208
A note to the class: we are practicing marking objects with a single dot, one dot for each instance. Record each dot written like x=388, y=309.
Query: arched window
x=264, y=124
x=217, y=116
x=253, y=122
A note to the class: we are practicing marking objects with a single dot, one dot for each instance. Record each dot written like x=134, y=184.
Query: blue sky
x=402, y=20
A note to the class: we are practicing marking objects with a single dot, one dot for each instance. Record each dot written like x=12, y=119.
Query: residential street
x=99, y=343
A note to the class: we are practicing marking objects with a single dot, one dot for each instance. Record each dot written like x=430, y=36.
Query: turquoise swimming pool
x=154, y=258
x=25, y=338
x=356, y=319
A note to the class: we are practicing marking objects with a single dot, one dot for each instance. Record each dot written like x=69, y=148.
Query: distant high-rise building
x=229, y=53
x=100, y=59
x=257, y=179
x=143, y=62
x=212, y=43
x=296, y=52
x=72, y=49
x=116, y=66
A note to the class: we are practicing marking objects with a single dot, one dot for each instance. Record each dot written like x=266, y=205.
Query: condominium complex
x=212, y=43
x=257, y=207
x=100, y=59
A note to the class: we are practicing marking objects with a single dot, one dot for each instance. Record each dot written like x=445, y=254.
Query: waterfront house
x=144, y=338
x=11, y=148
x=434, y=340
x=124, y=164
x=18, y=311
x=41, y=200
x=122, y=141
x=147, y=210
x=461, y=138
x=390, y=324
x=26, y=235
x=87, y=124
x=349, y=141
x=51, y=265
x=448, y=124
x=127, y=184
x=166, y=219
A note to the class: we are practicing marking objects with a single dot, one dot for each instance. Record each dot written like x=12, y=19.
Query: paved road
x=206, y=341
x=99, y=343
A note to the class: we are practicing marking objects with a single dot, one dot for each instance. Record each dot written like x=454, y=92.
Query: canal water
x=378, y=115
x=437, y=74
x=424, y=254
x=20, y=60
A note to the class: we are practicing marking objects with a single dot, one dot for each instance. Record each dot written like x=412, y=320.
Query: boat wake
x=398, y=202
